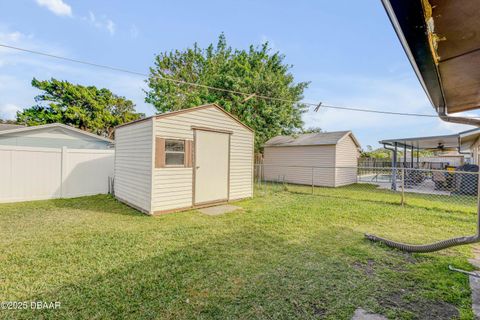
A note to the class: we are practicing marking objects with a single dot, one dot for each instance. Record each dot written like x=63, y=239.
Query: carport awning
x=445, y=142
x=462, y=141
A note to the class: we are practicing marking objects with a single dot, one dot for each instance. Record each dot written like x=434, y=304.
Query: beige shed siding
x=346, y=159
x=173, y=187
x=287, y=162
x=133, y=164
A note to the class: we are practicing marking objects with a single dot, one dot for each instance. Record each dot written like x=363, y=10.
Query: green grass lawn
x=285, y=255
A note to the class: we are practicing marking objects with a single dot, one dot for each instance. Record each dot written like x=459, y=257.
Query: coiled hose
x=437, y=245
x=449, y=242
x=425, y=247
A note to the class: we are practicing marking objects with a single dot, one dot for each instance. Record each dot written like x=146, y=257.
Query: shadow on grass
x=243, y=274
x=370, y=193
x=98, y=203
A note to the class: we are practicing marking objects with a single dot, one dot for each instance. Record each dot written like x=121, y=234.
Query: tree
x=311, y=130
x=87, y=108
x=379, y=153
x=382, y=153
x=256, y=70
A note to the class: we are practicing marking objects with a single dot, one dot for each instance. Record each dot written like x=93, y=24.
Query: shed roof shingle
x=310, y=139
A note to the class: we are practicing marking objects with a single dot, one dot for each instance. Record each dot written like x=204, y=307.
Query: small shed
x=183, y=159
x=325, y=159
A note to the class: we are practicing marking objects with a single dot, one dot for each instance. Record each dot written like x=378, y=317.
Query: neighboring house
x=183, y=159
x=9, y=126
x=53, y=161
x=454, y=159
x=333, y=155
x=470, y=144
x=53, y=135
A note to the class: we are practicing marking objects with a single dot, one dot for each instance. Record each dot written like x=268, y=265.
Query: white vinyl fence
x=28, y=173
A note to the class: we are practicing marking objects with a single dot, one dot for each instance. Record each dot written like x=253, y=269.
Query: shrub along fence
x=46, y=173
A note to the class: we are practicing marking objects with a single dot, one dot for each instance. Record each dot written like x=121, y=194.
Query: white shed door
x=211, y=166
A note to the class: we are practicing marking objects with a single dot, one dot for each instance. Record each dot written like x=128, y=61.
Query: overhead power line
x=248, y=95
x=378, y=111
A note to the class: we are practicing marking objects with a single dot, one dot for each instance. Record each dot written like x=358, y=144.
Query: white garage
x=184, y=159
x=324, y=159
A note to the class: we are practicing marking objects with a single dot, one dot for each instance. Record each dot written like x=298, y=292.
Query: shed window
x=174, y=152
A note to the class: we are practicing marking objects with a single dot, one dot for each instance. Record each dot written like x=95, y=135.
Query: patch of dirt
x=422, y=308
x=368, y=268
x=408, y=257
x=318, y=311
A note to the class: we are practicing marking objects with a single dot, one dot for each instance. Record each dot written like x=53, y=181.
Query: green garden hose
x=425, y=247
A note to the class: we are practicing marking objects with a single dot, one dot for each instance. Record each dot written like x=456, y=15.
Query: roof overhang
x=442, y=41
x=448, y=142
x=461, y=142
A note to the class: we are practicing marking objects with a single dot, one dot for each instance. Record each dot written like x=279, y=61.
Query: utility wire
x=247, y=95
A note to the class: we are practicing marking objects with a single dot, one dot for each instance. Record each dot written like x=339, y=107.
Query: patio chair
x=413, y=177
x=440, y=180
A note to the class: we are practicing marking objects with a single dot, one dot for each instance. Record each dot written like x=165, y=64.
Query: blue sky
x=347, y=49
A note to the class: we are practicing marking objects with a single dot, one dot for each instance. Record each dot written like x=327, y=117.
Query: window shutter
x=159, y=152
x=188, y=153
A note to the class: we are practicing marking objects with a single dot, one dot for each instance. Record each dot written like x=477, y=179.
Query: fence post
x=478, y=203
x=312, y=179
x=403, y=186
x=63, y=172
x=264, y=180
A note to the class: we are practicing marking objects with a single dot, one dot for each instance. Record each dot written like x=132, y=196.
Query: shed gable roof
x=311, y=139
x=174, y=113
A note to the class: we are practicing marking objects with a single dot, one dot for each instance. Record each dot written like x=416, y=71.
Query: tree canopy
x=84, y=107
x=311, y=130
x=382, y=153
x=379, y=153
x=256, y=70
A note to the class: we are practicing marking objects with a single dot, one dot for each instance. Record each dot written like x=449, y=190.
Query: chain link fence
x=428, y=188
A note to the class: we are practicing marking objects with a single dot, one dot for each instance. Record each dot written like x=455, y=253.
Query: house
x=323, y=159
x=53, y=161
x=55, y=135
x=438, y=160
x=470, y=144
x=9, y=126
x=183, y=159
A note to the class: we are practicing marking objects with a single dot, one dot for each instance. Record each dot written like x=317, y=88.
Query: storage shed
x=183, y=159
x=324, y=159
